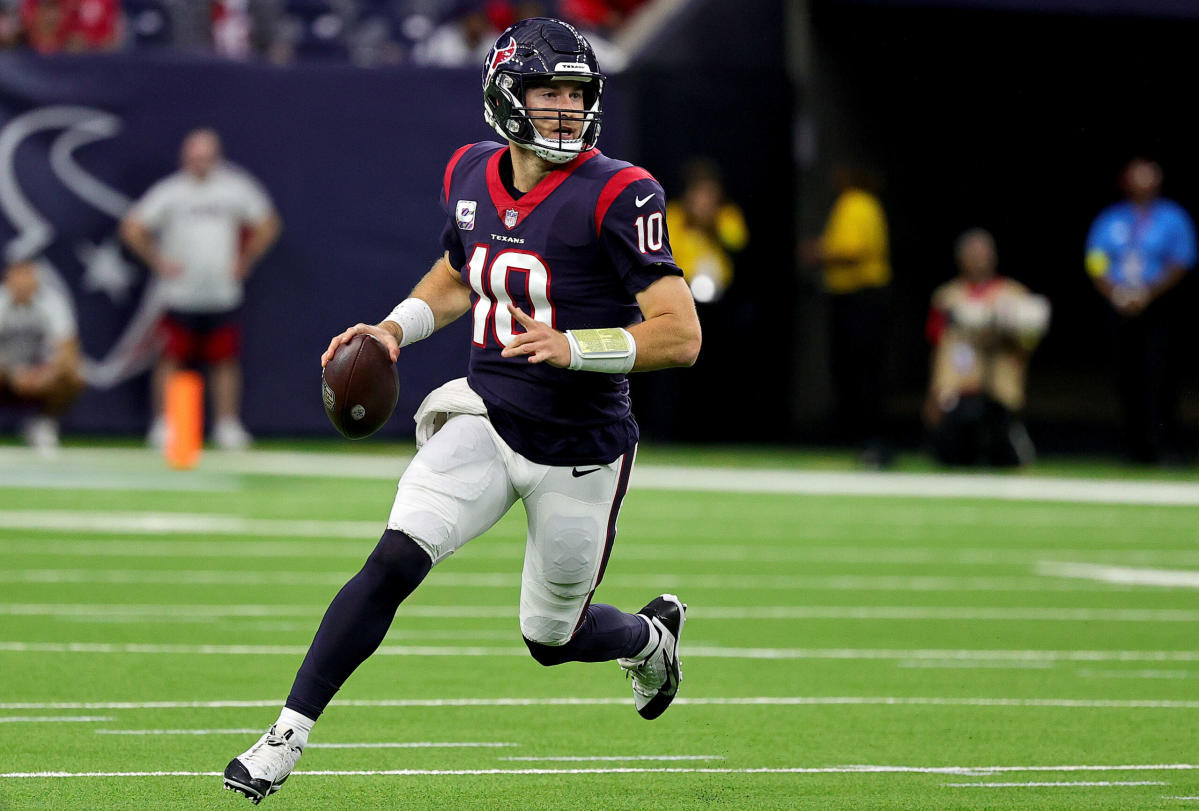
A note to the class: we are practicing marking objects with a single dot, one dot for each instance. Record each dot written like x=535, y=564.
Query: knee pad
x=574, y=549
x=401, y=560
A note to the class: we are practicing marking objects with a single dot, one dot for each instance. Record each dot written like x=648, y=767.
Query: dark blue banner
x=353, y=160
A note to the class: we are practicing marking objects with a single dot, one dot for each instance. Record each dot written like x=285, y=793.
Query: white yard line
x=351, y=745
x=616, y=758
x=985, y=486
x=699, y=651
x=275, y=577
x=589, y=701
x=1062, y=784
x=142, y=612
x=244, y=731
x=651, y=770
x=155, y=523
x=54, y=719
x=417, y=745
x=934, y=664
x=1088, y=673
x=364, y=533
x=1124, y=575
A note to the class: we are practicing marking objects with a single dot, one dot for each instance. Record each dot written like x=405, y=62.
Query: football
x=360, y=386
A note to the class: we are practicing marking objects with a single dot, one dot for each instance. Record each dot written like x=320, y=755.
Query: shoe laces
x=274, y=751
x=648, y=674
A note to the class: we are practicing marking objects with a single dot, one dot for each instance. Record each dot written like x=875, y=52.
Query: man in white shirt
x=201, y=230
x=39, y=351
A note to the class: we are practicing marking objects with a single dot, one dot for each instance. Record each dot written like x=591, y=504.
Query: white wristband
x=612, y=350
x=415, y=318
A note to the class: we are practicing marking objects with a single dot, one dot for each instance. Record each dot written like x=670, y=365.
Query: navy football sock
x=357, y=620
x=606, y=633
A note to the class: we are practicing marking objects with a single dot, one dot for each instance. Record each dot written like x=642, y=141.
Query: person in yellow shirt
x=854, y=257
x=704, y=229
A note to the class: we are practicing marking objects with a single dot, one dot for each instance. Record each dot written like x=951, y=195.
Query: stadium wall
x=353, y=159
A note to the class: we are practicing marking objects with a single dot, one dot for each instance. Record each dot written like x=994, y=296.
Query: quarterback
x=561, y=258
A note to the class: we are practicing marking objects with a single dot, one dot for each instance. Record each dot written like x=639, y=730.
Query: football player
x=561, y=258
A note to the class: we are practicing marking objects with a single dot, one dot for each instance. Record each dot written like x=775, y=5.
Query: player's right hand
x=386, y=337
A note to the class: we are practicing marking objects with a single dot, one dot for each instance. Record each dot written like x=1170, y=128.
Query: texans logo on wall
x=56, y=205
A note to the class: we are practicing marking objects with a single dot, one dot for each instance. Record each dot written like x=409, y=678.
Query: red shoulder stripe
x=449, y=169
x=612, y=189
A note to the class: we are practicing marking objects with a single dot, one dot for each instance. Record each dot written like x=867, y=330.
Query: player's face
x=563, y=96
x=21, y=281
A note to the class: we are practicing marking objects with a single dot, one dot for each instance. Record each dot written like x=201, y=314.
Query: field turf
x=841, y=651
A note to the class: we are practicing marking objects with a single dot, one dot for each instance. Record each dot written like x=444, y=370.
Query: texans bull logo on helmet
x=503, y=54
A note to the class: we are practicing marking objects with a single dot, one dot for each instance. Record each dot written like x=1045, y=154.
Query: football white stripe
x=698, y=651
x=1061, y=784
x=984, y=486
x=647, y=770
x=150, y=611
x=54, y=719
x=580, y=701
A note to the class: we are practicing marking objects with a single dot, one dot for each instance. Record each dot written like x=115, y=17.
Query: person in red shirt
x=52, y=26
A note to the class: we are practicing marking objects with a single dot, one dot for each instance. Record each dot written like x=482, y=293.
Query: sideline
x=986, y=486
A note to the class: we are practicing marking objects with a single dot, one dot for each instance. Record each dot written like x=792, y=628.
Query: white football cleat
x=260, y=770
x=156, y=437
x=231, y=435
x=656, y=677
x=42, y=434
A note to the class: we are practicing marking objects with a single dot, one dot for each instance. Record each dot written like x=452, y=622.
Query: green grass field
x=842, y=651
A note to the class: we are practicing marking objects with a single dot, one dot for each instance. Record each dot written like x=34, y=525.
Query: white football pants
x=465, y=478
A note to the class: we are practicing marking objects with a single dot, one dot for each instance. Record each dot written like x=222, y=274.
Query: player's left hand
x=539, y=342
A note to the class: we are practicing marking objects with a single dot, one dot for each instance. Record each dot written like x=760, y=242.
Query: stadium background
x=1012, y=116
x=855, y=640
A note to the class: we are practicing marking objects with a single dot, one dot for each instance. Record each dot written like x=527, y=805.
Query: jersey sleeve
x=60, y=321
x=631, y=219
x=1182, y=243
x=256, y=204
x=450, y=240
x=152, y=209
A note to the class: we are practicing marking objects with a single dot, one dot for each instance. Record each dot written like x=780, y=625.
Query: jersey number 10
x=649, y=232
x=493, y=286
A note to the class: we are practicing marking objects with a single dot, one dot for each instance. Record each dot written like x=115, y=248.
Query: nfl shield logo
x=510, y=218
x=464, y=213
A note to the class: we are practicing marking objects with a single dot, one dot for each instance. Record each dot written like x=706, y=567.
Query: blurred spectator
x=51, y=26
x=39, y=352
x=231, y=28
x=855, y=257
x=704, y=229
x=463, y=40
x=236, y=29
x=201, y=230
x=1138, y=250
x=605, y=16
x=983, y=328
x=10, y=25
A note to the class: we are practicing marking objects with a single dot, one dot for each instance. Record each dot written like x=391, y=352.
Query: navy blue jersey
x=573, y=253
